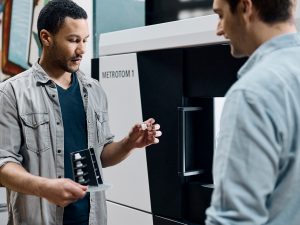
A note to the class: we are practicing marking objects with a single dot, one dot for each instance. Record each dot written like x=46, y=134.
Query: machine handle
x=182, y=142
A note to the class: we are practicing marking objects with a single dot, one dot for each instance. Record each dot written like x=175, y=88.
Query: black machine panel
x=160, y=76
x=158, y=11
x=209, y=71
x=177, y=88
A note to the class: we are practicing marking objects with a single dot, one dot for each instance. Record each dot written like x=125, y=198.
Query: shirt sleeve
x=10, y=131
x=245, y=161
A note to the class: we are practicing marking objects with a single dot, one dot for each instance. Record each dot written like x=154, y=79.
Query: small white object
x=79, y=172
x=144, y=126
x=81, y=179
x=77, y=156
x=79, y=164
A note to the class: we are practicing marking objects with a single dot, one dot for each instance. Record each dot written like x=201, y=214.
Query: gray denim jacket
x=31, y=134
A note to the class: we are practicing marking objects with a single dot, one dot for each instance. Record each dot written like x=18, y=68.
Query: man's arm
x=245, y=161
x=138, y=137
x=12, y=175
x=57, y=191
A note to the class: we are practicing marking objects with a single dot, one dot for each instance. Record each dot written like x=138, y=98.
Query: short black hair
x=269, y=11
x=53, y=14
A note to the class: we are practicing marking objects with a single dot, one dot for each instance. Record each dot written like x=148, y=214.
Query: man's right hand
x=62, y=191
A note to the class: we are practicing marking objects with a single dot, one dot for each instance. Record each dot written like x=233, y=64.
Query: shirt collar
x=39, y=73
x=42, y=77
x=276, y=43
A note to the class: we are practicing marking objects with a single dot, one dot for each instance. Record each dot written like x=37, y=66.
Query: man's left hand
x=144, y=134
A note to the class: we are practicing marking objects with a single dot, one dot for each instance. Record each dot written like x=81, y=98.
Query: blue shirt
x=75, y=138
x=257, y=159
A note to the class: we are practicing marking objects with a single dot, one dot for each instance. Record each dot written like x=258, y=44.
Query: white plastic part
x=79, y=172
x=77, y=156
x=144, y=126
x=79, y=164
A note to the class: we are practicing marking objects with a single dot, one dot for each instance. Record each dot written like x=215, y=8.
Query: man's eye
x=73, y=40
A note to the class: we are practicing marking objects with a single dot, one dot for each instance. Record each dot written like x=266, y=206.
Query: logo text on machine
x=118, y=74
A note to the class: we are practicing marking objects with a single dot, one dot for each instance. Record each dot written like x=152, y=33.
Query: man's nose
x=219, y=30
x=81, y=48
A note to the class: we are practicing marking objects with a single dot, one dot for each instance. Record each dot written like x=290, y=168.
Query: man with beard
x=50, y=111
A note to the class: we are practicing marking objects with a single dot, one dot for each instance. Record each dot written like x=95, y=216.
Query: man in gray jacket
x=50, y=111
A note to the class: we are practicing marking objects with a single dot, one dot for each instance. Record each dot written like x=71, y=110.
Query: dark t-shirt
x=75, y=138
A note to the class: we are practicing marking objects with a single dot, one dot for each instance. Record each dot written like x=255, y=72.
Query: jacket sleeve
x=245, y=161
x=10, y=131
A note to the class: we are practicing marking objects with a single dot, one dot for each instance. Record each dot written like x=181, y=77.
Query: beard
x=64, y=63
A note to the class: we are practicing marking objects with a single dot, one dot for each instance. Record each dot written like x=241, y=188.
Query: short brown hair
x=270, y=11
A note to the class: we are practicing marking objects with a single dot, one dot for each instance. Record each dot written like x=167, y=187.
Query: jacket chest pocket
x=101, y=122
x=36, y=131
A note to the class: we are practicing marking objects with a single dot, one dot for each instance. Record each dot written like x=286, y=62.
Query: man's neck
x=63, y=81
x=263, y=32
x=60, y=77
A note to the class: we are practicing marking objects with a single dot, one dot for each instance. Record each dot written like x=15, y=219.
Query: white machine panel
x=183, y=33
x=190, y=32
x=120, y=80
x=3, y=210
x=218, y=108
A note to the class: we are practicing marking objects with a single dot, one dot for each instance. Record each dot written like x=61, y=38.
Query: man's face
x=69, y=44
x=231, y=26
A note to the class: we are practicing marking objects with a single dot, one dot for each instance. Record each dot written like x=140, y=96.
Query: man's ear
x=45, y=37
x=247, y=9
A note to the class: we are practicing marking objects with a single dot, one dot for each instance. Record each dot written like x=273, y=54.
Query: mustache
x=77, y=57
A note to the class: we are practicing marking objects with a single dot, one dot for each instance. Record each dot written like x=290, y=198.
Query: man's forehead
x=218, y=5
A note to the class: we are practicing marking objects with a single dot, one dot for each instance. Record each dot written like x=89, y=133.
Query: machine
x=178, y=73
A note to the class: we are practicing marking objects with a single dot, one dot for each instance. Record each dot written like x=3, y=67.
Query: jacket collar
x=43, y=78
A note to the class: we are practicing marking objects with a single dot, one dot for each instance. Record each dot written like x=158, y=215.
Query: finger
x=149, y=121
x=82, y=187
x=76, y=190
x=158, y=133
x=156, y=126
x=147, y=126
x=156, y=140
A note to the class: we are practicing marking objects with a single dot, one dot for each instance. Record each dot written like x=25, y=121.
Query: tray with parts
x=86, y=170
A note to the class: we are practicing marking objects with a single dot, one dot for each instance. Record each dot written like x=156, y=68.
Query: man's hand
x=140, y=135
x=61, y=192
x=144, y=134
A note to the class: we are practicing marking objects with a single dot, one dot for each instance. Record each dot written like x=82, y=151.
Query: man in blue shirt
x=257, y=158
x=50, y=111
